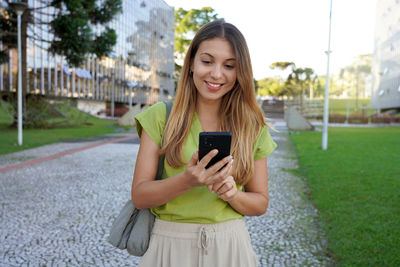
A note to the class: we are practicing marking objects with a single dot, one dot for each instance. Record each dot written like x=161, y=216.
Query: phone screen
x=214, y=140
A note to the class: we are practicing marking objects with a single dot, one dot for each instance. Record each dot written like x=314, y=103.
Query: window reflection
x=142, y=59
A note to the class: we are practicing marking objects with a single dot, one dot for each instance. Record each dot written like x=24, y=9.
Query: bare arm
x=255, y=200
x=147, y=192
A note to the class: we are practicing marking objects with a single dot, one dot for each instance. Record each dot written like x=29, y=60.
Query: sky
x=297, y=30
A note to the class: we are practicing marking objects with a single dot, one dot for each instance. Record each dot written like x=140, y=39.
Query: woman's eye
x=229, y=66
x=206, y=61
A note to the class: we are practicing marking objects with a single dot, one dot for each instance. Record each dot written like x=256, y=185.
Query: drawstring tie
x=203, y=239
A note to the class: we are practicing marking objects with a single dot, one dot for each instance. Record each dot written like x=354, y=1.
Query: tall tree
x=356, y=75
x=187, y=23
x=71, y=29
x=270, y=86
x=297, y=80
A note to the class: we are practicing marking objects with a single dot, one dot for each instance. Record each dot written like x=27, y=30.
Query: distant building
x=140, y=69
x=386, y=59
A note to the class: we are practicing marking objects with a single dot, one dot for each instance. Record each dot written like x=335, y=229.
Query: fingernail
x=215, y=151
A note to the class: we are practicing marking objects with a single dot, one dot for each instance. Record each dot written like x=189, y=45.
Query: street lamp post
x=19, y=7
x=112, y=93
x=326, y=102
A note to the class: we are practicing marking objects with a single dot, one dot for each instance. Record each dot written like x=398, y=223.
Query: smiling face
x=214, y=69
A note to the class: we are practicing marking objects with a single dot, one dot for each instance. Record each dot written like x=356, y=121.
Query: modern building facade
x=140, y=70
x=386, y=59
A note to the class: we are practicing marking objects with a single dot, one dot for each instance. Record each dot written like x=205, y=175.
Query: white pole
x=19, y=13
x=130, y=97
x=112, y=93
x=326, y=102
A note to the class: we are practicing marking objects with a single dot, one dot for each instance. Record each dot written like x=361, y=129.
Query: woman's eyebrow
x=208, y=54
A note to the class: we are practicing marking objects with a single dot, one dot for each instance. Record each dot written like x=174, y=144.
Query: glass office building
x=140, y=69
x=386, y=59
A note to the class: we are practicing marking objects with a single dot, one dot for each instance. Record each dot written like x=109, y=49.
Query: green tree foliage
x=187, y=23
x=270, y=86
x=355, y=77
x=300, y=81
x=71, y=35
x=73, y=32
x=71, y=27
x=334, y=86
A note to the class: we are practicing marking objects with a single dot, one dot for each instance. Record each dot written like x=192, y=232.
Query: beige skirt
x=196, y=245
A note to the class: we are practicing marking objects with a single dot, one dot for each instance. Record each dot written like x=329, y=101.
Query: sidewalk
x=59, y=211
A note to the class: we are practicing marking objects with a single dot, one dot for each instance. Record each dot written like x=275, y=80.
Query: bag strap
x=160, y=168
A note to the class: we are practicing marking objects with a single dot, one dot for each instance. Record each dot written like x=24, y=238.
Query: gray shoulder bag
x=132, y=228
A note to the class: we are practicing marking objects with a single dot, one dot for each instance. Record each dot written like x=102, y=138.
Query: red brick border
x=68, y=152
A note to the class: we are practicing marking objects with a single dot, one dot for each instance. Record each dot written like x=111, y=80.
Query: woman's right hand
x=197, y=173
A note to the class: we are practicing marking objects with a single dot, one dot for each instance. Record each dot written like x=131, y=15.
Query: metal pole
x=326, y=102
x=130, y=97
x=19, y=13
x=112, y=94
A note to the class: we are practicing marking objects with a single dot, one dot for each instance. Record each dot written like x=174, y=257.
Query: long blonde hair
x=240, y=112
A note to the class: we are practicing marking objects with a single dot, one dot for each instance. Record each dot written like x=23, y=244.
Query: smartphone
x=214, y=140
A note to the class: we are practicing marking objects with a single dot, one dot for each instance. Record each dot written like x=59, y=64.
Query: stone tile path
x=58, y=212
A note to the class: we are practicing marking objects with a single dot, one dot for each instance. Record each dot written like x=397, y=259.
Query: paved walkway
x=58, y=212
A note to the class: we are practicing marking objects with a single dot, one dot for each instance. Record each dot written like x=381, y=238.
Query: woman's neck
x=208, y=114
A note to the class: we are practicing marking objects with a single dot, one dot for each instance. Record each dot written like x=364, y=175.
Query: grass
x=339, y=106
x=90, y=127
x=355, y=185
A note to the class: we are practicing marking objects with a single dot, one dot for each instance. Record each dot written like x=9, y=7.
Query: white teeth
x=214, y=85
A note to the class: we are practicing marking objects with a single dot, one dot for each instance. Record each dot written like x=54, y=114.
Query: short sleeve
x=152, y=120
x=264, y=144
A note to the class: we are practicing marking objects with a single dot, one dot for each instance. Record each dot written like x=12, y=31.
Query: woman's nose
x=216, y=72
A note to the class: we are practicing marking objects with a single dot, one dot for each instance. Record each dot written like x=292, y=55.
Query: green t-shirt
x=198, y=205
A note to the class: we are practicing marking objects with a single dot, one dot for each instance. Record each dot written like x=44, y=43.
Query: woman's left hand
x=226, y=190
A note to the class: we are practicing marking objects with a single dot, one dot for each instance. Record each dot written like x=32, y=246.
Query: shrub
x=358, y=118
x=383, y=118
x=337, y=118
x=118, y=112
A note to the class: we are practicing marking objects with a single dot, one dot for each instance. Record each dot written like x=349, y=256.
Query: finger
x=228, y=195
x=208, y=157
x=218, y=176
x=216, y=186
x=225, y=161
x=227, y=186
x=193, y=160
x=226, y=171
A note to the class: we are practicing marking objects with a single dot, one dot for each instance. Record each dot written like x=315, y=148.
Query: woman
x=199, y=212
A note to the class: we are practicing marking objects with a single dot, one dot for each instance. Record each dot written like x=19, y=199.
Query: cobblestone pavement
x=59, y=212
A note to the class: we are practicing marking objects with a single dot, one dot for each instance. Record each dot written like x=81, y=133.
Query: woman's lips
x=213, y=86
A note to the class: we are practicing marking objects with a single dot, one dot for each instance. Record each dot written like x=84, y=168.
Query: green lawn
x=355, y=185
x=340, y=105
x=89, y=127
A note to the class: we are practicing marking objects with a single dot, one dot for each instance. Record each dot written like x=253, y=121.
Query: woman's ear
x=191, y=67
